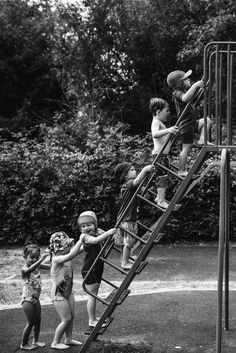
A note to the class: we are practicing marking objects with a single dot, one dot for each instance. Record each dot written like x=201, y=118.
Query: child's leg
x=68, y=332
x=91, y=303
x=129, y=242
x=37, y=308
x=63, y=309
x=160, y=199
x=28, y=309
x=186, y=148
x=201, y=129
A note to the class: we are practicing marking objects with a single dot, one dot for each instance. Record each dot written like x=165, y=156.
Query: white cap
x=87, y=216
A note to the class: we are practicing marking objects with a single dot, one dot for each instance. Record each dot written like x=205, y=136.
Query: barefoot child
x=183, y=92
x=127, y=176
x=30, y=294
x=63, y=251
x=92, y=237
x=159, y=109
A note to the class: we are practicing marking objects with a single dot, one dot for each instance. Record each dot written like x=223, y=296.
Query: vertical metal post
x=217, y=93
x=222, y=228
x=229, y=95
x=227, y=212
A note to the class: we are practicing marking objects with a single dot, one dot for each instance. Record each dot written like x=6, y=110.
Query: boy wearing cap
x=126, y=174
x=159, y=109
x=91, y=237
x=183, y=92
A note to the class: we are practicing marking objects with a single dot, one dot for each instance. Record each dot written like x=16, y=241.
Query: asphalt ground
x=172, y=308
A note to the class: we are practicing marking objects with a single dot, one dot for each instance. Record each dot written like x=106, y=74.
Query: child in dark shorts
x=91, y=238
x=159, y=109
x=183, y=92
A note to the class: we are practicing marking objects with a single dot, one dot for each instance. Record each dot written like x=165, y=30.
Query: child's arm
x=26, y=270
x=73, y=252
x=88, y=239
x=148, y=169
x=158, y=132
x=191, y=91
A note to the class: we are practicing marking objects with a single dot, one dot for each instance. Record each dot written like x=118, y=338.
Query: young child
x=91, y=238
x=63, y=251
x=30, y=294
x=183, y=92
x=127, y=176
x=159, y=109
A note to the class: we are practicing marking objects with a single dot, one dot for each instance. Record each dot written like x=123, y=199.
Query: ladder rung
x=122, y=297
x=132, y=234
x=141, y=266
x=151, y=203
x=144, y=226
x=112, y=265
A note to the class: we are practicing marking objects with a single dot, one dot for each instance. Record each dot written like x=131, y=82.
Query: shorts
x=163, y=177
x=95, y=275
x=122, y=238
x=30, y=300
x=187, y=136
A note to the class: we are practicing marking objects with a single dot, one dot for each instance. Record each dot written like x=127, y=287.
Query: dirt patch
x=119, y=347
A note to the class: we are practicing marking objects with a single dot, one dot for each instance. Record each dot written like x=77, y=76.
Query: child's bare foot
x=28, y=347
x=38, y=343
x=163, y=204
x=182, y=173
x=59, y=346
x=126, y=266
x=94, y=323
x=73, y=343
x=201, y=144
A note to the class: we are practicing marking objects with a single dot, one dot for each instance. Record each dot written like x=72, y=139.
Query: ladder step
x=120, y=299
x=112, y=265
x=151, y=203
x=144, y=226
x=141, y=266
x=102, y=329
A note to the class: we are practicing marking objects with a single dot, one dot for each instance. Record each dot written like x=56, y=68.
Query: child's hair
x=87, y=217
x=59, y=241
x=157, y=104
x=28, y=247
x=122, y=170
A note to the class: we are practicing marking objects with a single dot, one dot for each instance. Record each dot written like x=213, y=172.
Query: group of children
x=62, y=248
x=61, y=251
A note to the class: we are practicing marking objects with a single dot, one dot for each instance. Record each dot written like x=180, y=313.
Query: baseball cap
x=176, y=76
x=86, y=217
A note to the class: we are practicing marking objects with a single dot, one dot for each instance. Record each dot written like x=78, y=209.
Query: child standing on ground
x=63, y=250
x=159, y=109
x=184, y=91
x=30, y=294
x=127, y=176
x=92, y=237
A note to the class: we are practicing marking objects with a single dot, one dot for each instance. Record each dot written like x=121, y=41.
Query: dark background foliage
x=75, y=84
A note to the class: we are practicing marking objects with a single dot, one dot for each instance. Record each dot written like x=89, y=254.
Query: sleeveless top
x=62, y=282
x=31, y=287
x=91, y=252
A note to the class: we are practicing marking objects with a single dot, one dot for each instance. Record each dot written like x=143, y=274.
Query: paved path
x=175, y=313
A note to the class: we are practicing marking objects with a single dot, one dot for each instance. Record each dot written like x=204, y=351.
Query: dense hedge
x=46, y=184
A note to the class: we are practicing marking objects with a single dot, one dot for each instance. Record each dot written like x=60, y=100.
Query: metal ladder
x=143, y=193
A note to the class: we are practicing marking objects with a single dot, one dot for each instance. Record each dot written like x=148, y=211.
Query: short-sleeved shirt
x=127, y=191
x=190, y=117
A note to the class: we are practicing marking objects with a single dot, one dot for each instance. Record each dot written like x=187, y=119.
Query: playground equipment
x=218, y=65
